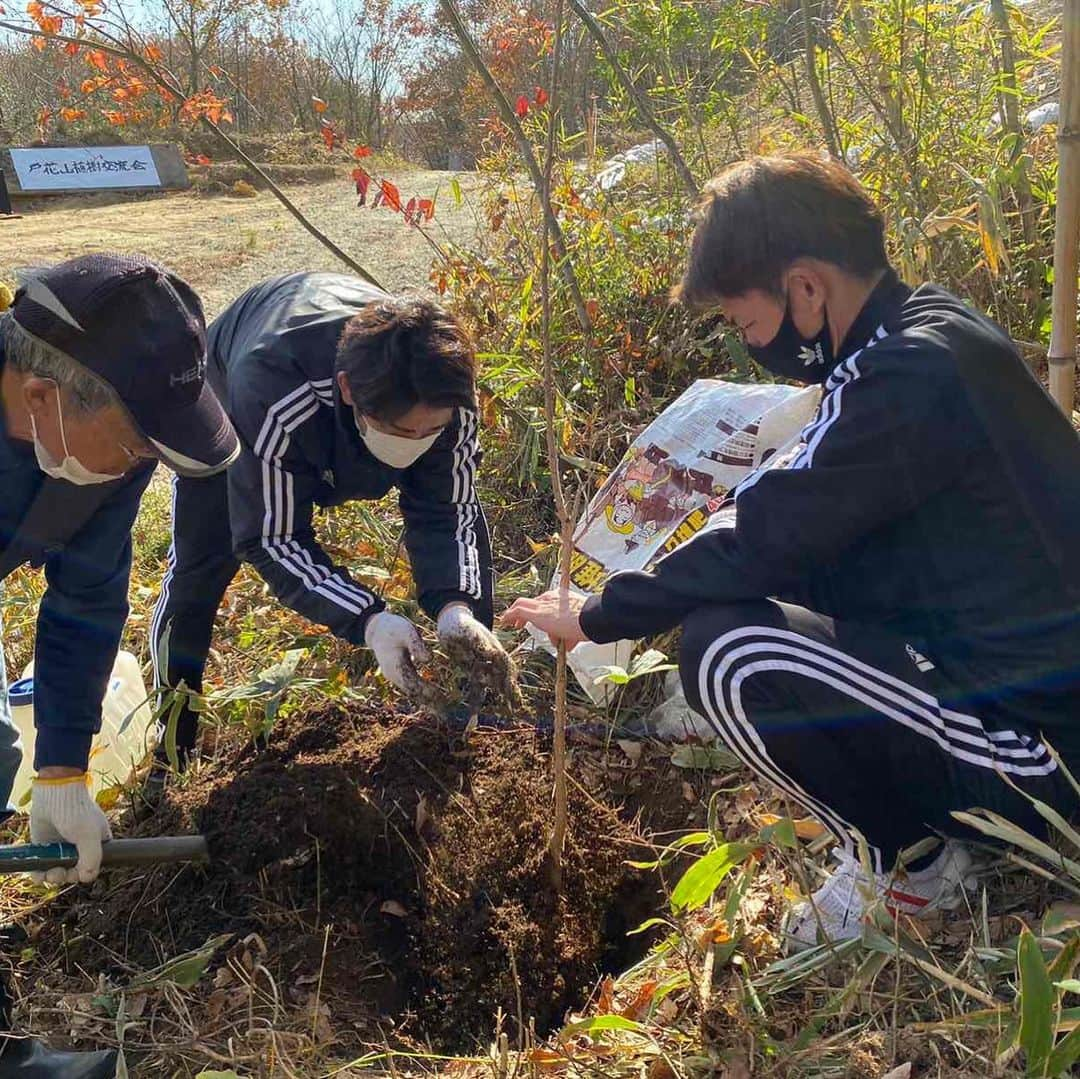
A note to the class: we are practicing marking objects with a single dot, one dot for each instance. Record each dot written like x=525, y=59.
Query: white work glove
x=478, y=652
x=64, y=811
x=399, y=650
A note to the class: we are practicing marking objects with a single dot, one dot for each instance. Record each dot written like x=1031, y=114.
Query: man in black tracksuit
x=884, y=623
x=337, y=392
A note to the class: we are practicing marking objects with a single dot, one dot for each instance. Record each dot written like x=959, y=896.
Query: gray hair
x=32, y=356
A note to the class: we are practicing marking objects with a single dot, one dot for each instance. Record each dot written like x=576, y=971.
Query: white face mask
x=397, y=451
x=70, y=468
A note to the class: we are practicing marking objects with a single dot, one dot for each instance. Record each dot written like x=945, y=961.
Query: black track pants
x=201, y=565
x=858, y=728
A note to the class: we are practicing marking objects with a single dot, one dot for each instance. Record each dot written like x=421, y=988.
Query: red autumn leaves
x=416, y=211
x=540, y=96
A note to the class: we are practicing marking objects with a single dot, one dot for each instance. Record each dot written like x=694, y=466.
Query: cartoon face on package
x=650, y=493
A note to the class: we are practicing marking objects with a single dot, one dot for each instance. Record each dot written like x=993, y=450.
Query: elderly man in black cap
x=102, y=374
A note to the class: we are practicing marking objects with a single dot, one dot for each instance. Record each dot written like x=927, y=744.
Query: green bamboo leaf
x=185, y=970
x=1061, y=968
x=597, y=1024
x=1065, y=1054
x=1009, y=1032
x=993, y=824
x=706, y=758
x=698, y=883
x=617, y=676
x=1060, y=918
x=455, y=190
x=1036, y=1005
x=649, y=661
x=782, y=833
x=649, y=923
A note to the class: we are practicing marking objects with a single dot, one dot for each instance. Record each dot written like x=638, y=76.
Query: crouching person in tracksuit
x=887, y=628
x=337, y=392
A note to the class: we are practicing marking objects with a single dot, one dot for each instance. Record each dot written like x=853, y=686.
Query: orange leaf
x=38, y=43
x=427, y=208
x=542, y=96
x=96, y=58
x=329, y=136
x=361, y=152
x=359, y=174
x=319, y=105
x=592, y=309
x=607, y=993
x=71, y=115
x=522, y=107
x=71, y=49
x=546, y=1059
x=152, y=53
x=215, y=71
x=642, y=999
x=391, y=196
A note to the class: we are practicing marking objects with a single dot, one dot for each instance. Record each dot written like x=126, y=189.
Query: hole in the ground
x=425, y=857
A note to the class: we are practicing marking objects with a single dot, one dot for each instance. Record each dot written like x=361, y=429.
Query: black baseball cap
x=141, y=329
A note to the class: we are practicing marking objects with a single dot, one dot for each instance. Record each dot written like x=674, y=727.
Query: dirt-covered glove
x=400, y=651
x=64, y=811
x=474, y=649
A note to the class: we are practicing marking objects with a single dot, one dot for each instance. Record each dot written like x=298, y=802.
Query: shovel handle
x=36, y=857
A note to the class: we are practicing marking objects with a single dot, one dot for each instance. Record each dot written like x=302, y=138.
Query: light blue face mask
x=70, y=468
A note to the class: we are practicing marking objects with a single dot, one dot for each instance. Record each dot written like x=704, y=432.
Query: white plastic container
x=125, y=726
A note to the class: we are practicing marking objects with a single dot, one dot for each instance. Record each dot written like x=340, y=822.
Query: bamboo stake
x=641, y=102
x=1062, y=356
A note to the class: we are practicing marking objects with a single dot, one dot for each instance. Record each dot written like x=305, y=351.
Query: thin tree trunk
x=641, y=102
x=1062, y=356
x=558, y=757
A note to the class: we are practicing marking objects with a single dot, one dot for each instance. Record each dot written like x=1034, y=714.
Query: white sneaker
x=843, y=900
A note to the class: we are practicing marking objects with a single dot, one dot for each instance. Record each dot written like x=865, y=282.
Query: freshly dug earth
x=426, y=856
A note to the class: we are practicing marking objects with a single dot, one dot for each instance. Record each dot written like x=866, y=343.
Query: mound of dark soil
x=424, y=854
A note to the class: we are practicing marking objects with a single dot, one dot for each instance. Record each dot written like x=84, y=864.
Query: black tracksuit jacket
x=936, y=493
x=271, y=360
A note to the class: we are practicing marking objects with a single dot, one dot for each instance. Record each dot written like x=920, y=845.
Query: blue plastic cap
x=21, y=693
